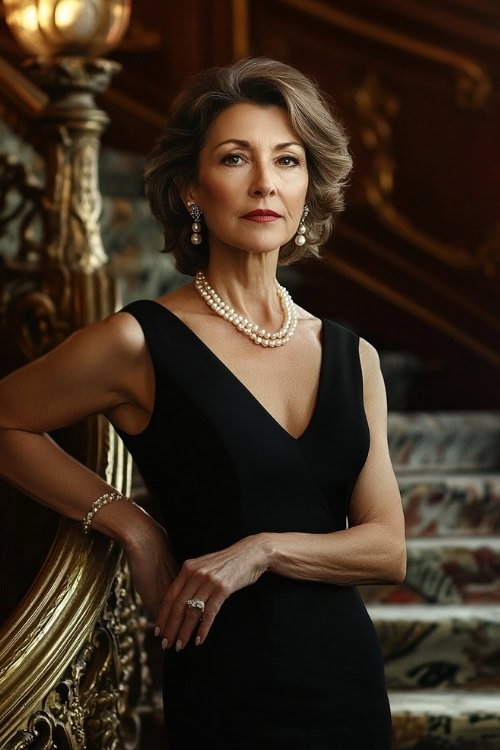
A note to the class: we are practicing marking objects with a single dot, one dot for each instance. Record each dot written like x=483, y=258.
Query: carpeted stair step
x=438, y=504
x=444, y=441
x=445, y=720
x=445, y=571
x=443, y=646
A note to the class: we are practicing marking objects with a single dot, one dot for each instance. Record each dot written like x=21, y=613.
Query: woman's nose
x=262, y=183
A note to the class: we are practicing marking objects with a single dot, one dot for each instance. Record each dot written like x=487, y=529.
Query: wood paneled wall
x=414, y=264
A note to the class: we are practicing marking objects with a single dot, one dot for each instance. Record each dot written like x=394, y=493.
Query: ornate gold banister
x=72, y=663
x=74, y=646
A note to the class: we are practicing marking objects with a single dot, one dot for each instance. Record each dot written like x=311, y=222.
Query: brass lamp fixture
x=65, y=37
x=67, y=27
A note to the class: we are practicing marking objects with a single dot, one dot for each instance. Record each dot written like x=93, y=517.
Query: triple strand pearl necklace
x=258, y=335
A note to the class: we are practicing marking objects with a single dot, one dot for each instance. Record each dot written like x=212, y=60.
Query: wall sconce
x=67, y=27
x=66, y=39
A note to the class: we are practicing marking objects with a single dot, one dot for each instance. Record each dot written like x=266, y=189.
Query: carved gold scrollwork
x=34, y=307
x=376, y=109
x=94, y=704
x=37, y=324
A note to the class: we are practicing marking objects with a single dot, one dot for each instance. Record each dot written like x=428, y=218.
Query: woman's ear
x=185, y=191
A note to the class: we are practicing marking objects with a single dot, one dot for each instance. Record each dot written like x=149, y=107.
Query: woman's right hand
x=151, y=565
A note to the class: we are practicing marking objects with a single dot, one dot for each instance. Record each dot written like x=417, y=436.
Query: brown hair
x=175, y=156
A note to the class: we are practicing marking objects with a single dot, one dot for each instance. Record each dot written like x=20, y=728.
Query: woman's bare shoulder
x=126, y=328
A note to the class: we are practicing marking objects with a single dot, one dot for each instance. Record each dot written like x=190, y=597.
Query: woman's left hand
x=211, y=578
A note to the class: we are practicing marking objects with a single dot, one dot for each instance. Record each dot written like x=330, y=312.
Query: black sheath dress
x=288, y=664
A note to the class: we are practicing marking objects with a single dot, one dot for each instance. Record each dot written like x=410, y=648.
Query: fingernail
x=164, y=643
x=178, y=645
x=197, y=640
x=157, y=631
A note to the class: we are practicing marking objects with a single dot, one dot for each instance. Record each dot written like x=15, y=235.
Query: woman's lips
x=267, y=217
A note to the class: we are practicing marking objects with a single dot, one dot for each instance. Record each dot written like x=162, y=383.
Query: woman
x=258, y=427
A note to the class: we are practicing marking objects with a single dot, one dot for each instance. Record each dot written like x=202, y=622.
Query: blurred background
x=413, y=267
x=414, y=263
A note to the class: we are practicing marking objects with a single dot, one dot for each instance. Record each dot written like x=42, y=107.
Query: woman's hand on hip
x=211, y=578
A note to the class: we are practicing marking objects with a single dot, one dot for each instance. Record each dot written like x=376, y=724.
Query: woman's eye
x=231, y=156
x=290, y=158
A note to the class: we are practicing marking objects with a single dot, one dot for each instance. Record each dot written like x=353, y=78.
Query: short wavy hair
x=263, y=81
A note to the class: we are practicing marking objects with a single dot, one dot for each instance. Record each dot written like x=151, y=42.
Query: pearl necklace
x=258, y=335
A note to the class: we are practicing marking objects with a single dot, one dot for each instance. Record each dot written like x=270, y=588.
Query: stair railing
x=72, y=660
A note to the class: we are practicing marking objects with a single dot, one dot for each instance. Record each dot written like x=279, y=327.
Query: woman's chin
x=256, y=245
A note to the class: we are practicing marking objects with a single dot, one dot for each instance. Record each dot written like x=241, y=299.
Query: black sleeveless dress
x=288, y=664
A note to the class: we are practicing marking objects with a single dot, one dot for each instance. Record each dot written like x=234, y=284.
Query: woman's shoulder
x=125, y=328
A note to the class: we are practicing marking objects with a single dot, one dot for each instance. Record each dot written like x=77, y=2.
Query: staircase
x=440, y=628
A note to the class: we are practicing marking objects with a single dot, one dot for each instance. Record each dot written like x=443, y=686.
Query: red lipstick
x=262, y=215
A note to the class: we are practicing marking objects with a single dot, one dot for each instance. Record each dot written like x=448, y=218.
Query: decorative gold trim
x=414, y=271
x=56, y=619
x=376, y=107
x=473, y=83
x=241, y=30
x=403, y=302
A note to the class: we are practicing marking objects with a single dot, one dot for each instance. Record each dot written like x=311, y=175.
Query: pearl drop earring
x=195, y=212
x=300, y=239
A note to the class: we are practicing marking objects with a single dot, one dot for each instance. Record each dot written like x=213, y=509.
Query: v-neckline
x=247, y=390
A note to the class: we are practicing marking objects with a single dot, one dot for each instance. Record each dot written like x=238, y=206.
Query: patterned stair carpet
x=440, y=628
x=448, y=720
x=445, y=571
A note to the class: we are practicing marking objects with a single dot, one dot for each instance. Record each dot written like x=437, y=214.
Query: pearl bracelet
x=98, y=504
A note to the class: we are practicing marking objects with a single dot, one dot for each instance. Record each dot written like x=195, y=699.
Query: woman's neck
x=251, y=292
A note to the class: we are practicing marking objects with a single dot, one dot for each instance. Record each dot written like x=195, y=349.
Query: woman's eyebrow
x=246, y=144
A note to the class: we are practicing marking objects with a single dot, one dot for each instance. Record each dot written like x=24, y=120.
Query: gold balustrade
x=72, y=663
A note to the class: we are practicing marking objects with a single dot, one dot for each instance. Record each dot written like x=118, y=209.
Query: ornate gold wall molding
x=473, y=84
x=376, y=109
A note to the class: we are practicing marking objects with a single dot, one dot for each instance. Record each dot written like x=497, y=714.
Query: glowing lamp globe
x=67, y=27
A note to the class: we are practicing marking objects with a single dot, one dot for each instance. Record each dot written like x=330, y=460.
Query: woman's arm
x=373, y=548
x=89, y=373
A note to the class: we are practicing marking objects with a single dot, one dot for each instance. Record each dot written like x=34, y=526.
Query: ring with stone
x=196, y=603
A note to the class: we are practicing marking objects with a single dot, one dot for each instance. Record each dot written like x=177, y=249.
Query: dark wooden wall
x=414, y=264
